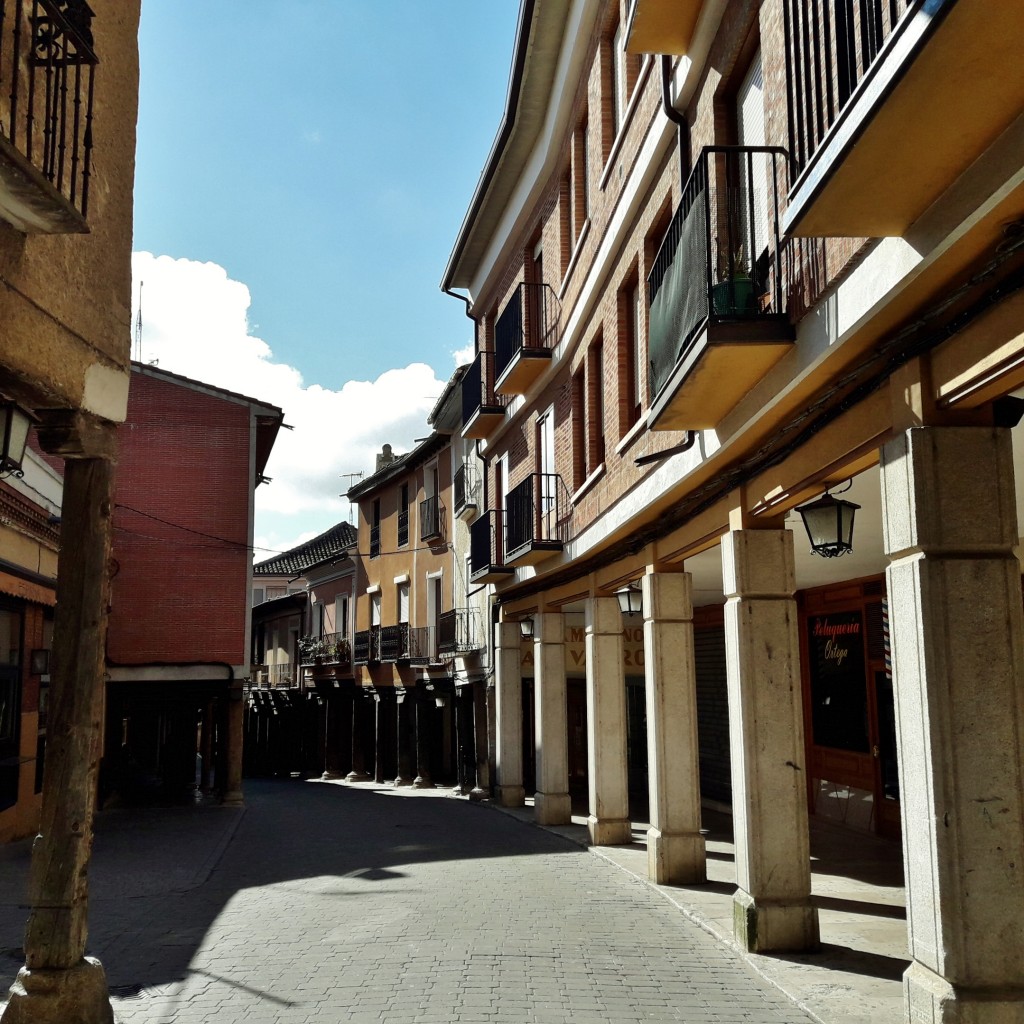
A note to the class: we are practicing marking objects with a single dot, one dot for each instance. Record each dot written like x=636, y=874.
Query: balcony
x=46, y=82
x=465, y=491
x=890, y=101
x=524, y=335
x=366, y=646
x=421, y=646
x=481, y=412
x=394, y=643
x=662, y=26
x=330, y=649
x=487, y=549
x=403, y=527
x=270, y=676
x=717, y=290
x=431, y=520
x=375, y=541
x=536, y=519
x=459, y=632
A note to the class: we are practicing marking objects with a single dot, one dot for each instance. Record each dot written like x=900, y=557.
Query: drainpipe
x=683, y=134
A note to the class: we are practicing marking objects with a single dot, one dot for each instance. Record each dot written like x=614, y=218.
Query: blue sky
x=306, y=164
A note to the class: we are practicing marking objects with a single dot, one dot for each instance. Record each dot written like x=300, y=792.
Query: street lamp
x=526, y=628
x=829, y=525
x=631, y=599
x=15, y=422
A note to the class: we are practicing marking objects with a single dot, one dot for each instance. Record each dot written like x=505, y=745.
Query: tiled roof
x=331, y=544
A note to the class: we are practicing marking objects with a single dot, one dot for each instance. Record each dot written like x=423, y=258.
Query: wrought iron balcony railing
x=487, y=548
x=526, y=327
x=274, y=675
x=465, y=488
x=366, y=646
x=459, y=632
x=830, y=46
x=47, y=64
x=329, y=649
x=394, y=642
x=403, y=527
x=721, y=260
x=422, y=649
x=478, y=398
x=375, y=541
x=537, y=515
x=430, y=519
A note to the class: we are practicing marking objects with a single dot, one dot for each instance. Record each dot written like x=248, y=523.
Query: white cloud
x=464, y=355
x=195, y=322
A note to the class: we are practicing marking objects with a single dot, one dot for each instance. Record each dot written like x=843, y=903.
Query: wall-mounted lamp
x=15, y=424
x=441, y=700
x=829, y=525
x=526, y=628
x=39, y=663
x=631, y=599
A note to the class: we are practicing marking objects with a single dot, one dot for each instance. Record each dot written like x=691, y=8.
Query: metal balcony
x=717, y=294
x=481, y=411
x=662, y=26
x=375, y=541
x=329, y=649
x=421, y=645
x=486, y=549
x=459, y=632
x=465, y=491
x=46, y=84
x=890, y=102
x=524, y=335
x=394, y=643
x=536, y=519
x=431, y=524
x=403, y=527
x=366, y=646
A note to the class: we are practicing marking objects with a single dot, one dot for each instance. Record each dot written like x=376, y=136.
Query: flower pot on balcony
x=732, y=298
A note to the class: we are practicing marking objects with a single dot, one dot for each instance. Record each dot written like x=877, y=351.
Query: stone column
x=772, y=906
x=362, y=736
x=954, y=586
x=607, y=772
x=508, y=714
x=480, y=733
x=675, y=847
x=206, y=745
x=551, y=801
x=425, y=719
x=406, y=735
x=58, y=982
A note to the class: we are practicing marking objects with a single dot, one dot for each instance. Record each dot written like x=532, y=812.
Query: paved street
x=334, y=903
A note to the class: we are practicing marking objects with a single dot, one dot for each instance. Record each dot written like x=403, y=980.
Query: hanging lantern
x=829, y=525
x=16, y=423
x=631, y=599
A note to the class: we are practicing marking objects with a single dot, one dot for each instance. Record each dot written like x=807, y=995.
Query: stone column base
x=51, y=996
x=676, y=858
x=358, y=777
x=420, y=782
x=609, y=831
x=233, y=798
x=761, y=926
x=552, y=808
x=511, y=796
x=477, y=793
x=403, y=780
x=929, y=997
x=329, y=776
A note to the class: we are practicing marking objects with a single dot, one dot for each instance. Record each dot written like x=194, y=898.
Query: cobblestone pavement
x=331, y=903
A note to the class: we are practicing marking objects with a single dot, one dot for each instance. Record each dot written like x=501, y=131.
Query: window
x=620, y=95
x=341, y=614
x=595, y=405
x=257, y=595
x=273, y=593
x=631, y=359
x=403, y=516
x=579, y=198
x=579, y=431
x=403, y=602
x=375, y=530
x=375, y=609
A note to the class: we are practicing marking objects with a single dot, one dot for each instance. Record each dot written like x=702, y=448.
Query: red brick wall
x=180, y=596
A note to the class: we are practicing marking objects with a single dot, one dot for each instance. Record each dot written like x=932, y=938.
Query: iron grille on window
x=375, y=541
x=458, y=631
x=403, y=527
x=430, y=518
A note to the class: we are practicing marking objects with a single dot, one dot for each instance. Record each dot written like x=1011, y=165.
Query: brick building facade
x=726, y=256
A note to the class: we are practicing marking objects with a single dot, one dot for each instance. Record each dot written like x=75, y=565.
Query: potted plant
x=734, y=293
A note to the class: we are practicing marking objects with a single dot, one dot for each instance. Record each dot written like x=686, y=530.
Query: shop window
x=839, y=698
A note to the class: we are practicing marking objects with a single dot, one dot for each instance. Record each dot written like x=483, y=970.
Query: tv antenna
x=351, y=477
x=138, y=328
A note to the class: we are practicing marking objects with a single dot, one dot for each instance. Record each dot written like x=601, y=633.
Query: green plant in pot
x=734, y=293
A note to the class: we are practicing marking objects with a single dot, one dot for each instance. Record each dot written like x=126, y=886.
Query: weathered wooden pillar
x=235, y=722
x=58, y=982
x=362, y=736
x=425, y=715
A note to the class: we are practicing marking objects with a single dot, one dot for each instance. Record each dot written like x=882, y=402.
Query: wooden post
x=57, y=982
